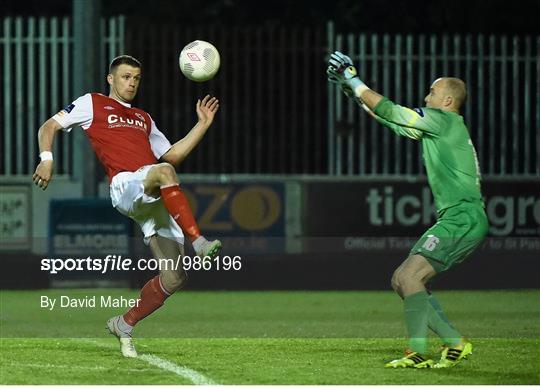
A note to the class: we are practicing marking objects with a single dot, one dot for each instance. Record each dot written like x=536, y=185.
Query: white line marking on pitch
x=195, y=377
x=188, y=373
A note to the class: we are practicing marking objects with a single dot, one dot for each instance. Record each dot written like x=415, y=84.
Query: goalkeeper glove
x=342, y=71
x=344, y=87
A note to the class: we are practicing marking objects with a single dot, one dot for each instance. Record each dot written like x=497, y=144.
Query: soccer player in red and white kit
x=140, y=163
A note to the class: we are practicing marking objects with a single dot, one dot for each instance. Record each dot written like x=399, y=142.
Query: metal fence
x=36, y=69
x=278, y=113
x=271, y=87
x=502, y=110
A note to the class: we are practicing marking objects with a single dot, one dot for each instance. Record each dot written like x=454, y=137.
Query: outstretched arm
x=206, y=110
x=398, y=129
x=370, y=98
x=44, y=171
x=402, y=120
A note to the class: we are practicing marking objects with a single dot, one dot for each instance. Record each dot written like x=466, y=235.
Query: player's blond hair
x=457, y=89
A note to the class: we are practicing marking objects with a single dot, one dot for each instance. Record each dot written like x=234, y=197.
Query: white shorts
x=128, y=197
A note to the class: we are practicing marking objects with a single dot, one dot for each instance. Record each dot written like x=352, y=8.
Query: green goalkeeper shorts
x=457, y=233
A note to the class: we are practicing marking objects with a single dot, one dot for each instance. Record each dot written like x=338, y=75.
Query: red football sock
x=177, y=205
x=152, y=297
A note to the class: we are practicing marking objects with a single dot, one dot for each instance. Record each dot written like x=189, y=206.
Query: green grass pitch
x=265, y=338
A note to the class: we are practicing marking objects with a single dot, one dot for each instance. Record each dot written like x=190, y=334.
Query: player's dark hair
x=123, y=59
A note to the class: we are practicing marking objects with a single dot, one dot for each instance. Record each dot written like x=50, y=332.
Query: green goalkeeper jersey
x=449, y=155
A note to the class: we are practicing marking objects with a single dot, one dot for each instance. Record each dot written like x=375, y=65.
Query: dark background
x=403, y=16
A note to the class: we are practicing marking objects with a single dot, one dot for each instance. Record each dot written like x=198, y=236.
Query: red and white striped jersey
x=124, y=138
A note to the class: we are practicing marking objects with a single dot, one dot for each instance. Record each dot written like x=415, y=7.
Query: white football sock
x=124, y=326
x=197, y=243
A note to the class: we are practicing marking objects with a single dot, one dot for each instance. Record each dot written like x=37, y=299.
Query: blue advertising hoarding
x=82, y=228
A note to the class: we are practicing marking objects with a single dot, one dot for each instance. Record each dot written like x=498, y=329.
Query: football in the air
x=199, y=61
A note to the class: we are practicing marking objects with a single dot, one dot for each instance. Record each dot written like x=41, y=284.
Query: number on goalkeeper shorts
x=430, y=243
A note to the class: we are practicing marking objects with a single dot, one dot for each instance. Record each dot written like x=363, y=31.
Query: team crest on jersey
x=108, y=107
x=140, y=116
x=419, y=111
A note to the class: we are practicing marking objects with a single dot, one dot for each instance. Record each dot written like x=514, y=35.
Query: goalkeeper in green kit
x=454, y=177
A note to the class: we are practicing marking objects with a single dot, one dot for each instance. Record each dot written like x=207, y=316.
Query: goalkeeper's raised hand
x=342, y=71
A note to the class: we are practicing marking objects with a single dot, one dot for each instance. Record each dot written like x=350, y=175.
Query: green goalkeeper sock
x=439, y=323
x=416, y=317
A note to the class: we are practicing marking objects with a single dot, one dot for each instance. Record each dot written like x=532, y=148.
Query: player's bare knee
x=167, y=174
x=403, y=277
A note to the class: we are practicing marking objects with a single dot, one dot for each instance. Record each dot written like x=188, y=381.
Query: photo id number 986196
x=225, y=263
